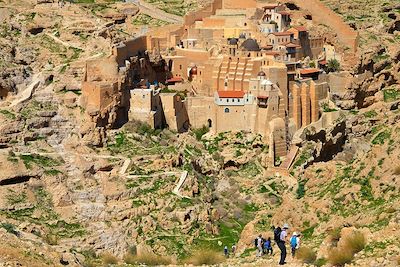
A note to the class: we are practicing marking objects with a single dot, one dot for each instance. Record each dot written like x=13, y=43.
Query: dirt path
x=155, y=12
x=27, y=93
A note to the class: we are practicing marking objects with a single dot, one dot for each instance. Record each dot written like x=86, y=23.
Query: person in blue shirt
x=268, y=246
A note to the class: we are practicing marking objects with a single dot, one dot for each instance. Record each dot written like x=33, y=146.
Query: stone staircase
x=237, y=70
x=290, y=157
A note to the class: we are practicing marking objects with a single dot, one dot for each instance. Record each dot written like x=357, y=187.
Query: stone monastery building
x=239, y=63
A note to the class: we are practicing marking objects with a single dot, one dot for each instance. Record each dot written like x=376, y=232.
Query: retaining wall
x=324, y=15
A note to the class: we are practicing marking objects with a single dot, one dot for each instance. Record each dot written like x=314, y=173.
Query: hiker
x=233, y=249
x=263, y=245
x=268, y=246
x=280, y=236
x=295, y=243
x=226, y=252
x=258, y=244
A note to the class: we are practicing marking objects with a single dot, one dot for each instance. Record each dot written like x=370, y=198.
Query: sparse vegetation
x=143, y=19
x=109, y=259
x=306, y=255
x=10, y=228
x=370, y=114
x=149, y=259
x=339, y=257
x=355, y=242
x=41, y=161
x=396, y=170
x=198, y=133
x=206, y=257
x=391, y=94
x=333, y=65
x=301, y=191
x=9, y=115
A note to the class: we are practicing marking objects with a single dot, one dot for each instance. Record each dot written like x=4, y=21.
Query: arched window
x=226, y=110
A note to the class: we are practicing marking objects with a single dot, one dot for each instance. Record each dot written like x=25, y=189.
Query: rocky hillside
x=158, y=196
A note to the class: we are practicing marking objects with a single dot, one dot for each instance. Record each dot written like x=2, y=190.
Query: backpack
x=293, y=242
x=256, y=242
x=277, y=234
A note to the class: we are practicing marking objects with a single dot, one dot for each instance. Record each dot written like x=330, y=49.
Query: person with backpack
x=258, y=242
x=268, y=246
x=293, y=244
x=226, y=252
x=280, y=236
x=263, y=245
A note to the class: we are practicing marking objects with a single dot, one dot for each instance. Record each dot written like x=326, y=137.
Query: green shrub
x=10, y=228
x=306, y=255
x=370, y=114
x=333, y=65
x=390, y=95
x=198, y=133
x=51, y=239
x=320, y=262
x=8, y=114
x=339, y=257
x=355, y=242
x=301, y=191
x=39, y=160
x=381, y=138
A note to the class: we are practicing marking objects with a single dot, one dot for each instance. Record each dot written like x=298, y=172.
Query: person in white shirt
x=282, y=243
x=259, y=246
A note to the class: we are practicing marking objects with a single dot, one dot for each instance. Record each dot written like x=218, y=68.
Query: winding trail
x=154, y=12
x=29, y=90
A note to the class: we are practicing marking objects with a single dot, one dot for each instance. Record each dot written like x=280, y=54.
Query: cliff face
x=75, y=194
x=378, y=27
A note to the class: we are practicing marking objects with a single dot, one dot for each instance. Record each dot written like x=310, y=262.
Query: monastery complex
x=235, y=65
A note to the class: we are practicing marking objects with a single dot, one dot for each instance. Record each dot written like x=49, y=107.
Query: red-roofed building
x=301, y=28
x=232, y=98
x=174, y=80
x=292, y=45
x=312, y=73
x=231, y=94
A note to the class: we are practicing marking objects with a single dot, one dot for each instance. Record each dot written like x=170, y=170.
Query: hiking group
x=264, y=246
x=233, y=251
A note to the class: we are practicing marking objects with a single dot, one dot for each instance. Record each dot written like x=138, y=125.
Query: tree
x=333, y=65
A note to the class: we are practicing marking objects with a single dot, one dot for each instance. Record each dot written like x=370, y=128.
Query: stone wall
x=307, y=96
x=129, y=49
x=239, y=4
x=174, y=112
x=323, y=15
x=207, y=11
x=201, y=111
